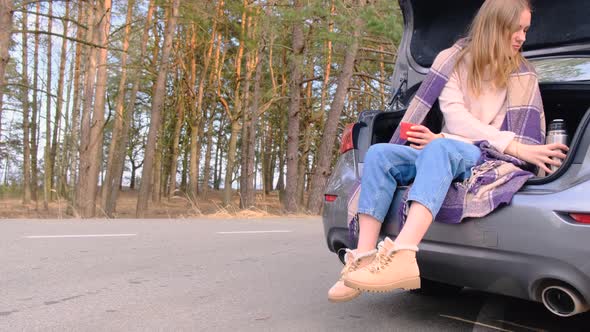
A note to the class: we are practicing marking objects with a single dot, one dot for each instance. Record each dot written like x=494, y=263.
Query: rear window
x=562, y=69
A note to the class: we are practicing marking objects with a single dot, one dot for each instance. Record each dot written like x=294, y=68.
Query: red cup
x=405, y=127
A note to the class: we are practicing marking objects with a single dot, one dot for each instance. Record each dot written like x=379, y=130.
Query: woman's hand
x=420, y=135
x=539, y=155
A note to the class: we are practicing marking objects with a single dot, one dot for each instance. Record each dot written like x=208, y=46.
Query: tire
x=436, y=288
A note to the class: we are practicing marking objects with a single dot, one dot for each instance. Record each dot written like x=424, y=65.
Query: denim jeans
x=432, y=169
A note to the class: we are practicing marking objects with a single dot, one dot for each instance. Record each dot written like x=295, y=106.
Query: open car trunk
x=568, y=101
x=436, y=25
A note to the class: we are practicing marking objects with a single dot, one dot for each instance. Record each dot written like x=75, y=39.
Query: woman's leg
x=394, y=267
x=386, y=166
x=417, y=223
x=442, y=161
x=369, y=229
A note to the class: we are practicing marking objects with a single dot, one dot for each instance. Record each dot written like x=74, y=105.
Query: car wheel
x=431, y=287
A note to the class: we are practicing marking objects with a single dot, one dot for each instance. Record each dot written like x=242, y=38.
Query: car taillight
x=582, y=218
x=330, y=198
x=346, y=142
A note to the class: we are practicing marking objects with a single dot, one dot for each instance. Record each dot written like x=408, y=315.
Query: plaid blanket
x=498, y=176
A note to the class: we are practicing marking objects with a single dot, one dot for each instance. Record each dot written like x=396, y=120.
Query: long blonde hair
x=489, y=43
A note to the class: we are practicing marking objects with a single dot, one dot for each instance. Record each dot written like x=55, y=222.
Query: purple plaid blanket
x=498, y=176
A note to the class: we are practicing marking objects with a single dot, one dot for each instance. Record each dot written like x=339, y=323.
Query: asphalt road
x=216, y=275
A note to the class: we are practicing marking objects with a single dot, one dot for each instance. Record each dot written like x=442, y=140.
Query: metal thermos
x=557, y=133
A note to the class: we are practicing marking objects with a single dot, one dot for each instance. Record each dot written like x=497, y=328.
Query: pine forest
x=231, y=102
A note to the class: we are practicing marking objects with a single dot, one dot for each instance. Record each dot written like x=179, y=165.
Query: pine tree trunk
x=66, y=158
x=267, y=146
x=231, y=161
x=156, y=113
x=251, y=196
x=208, y=148
x=6, y=28
x=197, y=115
x=157, y=172
x=271, y=147
x=97, y=132
x=234, y=118
x=184, y=173
x=193, y=174
x=118, y=161
x=180, y=105
x=82, y=190
x=307, y=119
x=25, y=103
x=246, y=131
x=215, y=77
x=133, y=175
x=282, y=154
x=47, y=152
x=322, y=169
x=219, y=155
x=282, y=158
x=319, y=118
x=35, y=113
x=76, y=110
x=113, y=178
x=298, y=44
x=60, y=100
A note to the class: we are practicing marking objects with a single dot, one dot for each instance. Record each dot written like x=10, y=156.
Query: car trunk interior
x=568, y=101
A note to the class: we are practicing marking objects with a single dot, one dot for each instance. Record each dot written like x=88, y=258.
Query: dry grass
x=177, y=207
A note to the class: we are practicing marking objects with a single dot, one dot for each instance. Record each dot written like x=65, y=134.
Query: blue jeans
x=432, y=169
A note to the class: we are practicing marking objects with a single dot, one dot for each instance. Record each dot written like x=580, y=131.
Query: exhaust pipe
x=563, y=301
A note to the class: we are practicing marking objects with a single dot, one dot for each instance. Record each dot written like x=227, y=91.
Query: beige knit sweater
x=471, y=118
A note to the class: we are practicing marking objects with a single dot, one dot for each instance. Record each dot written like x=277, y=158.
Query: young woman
x=478, y=94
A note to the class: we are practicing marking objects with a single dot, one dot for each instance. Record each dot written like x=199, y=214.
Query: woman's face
x=519, y=36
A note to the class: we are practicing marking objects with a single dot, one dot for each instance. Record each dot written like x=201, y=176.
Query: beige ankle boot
x=341, y=293
x=394, y=267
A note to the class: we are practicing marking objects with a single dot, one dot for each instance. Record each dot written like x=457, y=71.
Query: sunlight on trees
x=185, y=98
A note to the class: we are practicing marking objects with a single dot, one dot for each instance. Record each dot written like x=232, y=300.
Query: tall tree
x=174, y=148
x=122, y=150
x=60, y=91
x=250, y=195
x=93, y=121
x=25, y=103
x=322, y=169
x=156, y=113
x=73, y=146
x=298, y=44
x=245, y=168
x=215, y=77
x=47, y=151
x=112, y=178
x=6, y=30
x=35, y=111
x=197, y=115
x=98, y=121
x=234, y=116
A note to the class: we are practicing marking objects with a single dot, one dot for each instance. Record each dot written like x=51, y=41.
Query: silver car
x=537, y=247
